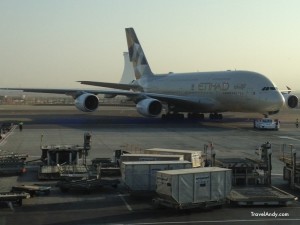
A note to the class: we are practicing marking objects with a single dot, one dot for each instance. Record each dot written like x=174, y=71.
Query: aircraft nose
x=274, y=102
x=281, y=100
x=278, y=100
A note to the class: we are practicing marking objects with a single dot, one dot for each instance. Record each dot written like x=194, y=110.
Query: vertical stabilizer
x=137, y=56
x=128, y=72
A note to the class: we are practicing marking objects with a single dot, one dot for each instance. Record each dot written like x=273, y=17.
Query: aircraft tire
x=170, y=116
x=215, y=116
x=193, y=116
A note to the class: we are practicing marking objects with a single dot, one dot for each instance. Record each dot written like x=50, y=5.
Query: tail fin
x=128, y=72
x=137, y=56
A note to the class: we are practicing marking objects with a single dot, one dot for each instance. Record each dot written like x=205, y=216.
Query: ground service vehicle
x=267, y=124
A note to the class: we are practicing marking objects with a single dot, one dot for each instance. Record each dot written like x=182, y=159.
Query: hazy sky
x=52, y=44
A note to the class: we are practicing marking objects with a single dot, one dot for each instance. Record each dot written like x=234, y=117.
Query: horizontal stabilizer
x=112, y=85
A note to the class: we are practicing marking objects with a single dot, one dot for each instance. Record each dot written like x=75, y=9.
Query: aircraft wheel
x=172, y=116
x=215, y=116
x=196, y=116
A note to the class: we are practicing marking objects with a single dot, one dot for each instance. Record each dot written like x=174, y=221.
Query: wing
x=72, y=92
x=183, y=102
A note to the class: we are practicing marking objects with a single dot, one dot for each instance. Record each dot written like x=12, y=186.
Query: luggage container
x=141, y=176
x=150, y=157
x=192, y=188
x=195, y=157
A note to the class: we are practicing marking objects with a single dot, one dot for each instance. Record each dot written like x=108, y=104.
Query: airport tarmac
x=114, y=127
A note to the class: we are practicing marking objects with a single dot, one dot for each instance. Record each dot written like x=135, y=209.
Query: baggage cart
x=264, y=195
x=86, y=185
x=158, y=202
x=31, y=189
x=14, y=198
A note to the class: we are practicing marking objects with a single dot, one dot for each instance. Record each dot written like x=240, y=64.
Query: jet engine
x=291, y=100
x=149, y=107
x=87, y=102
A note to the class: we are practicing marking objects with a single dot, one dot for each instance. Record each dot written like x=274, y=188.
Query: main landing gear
x=215, y=116
x=199, y=116
x=172, y=116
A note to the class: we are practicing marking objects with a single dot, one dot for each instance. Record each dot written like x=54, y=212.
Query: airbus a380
x=195, y=93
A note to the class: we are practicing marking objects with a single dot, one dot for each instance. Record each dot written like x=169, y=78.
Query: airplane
x=193, y=93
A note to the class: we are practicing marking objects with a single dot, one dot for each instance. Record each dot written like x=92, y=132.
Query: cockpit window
x=269, y=88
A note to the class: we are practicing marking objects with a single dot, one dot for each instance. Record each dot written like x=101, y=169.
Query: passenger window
x=272, y=88
x=267, y=88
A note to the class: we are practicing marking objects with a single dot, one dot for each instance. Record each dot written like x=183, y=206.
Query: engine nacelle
x=87, y=102
x=291, y=101
x=149, y=107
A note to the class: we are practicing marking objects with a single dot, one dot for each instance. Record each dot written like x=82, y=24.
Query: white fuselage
x=235, y=91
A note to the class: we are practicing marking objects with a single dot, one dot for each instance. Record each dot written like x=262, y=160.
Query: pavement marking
x=126, y=203
x=3, y=141
x=290, y=138
x=216, y=221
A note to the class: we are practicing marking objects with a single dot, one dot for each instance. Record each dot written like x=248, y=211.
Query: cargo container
x=149, y=157
x=141, y=176
x=188, y=188
x=195, y=157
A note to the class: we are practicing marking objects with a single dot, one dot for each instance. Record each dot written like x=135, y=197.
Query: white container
x=194, y=185
x=141, y=176
x=149, y=157
x=195, y=157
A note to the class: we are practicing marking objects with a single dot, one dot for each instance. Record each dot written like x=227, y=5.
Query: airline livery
x=192, y=93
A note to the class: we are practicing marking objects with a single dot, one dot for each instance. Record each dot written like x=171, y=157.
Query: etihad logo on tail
x=136, y=55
